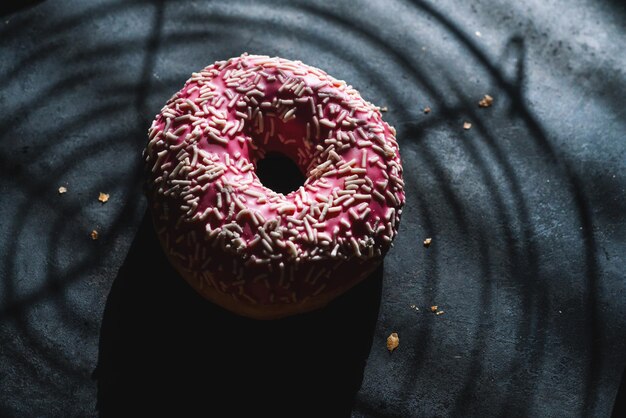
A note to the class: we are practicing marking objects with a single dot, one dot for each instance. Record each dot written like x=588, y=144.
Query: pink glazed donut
x=249, y=249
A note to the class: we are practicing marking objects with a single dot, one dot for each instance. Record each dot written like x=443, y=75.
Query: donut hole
x=279, y=173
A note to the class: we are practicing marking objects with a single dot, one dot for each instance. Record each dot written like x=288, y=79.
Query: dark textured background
x=526, y=209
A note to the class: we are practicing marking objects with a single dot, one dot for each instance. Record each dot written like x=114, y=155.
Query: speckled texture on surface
x=526, y=208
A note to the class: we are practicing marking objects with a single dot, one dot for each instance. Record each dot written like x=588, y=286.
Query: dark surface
x=619, y=408
x=526, y=209
x=163, y=347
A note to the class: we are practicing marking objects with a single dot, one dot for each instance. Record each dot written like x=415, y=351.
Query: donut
x=254, y=251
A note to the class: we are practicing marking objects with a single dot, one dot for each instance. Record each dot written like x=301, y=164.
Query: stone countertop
x=526, y=209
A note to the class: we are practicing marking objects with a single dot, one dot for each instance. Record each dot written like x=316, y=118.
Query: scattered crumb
x=427, y=110
x=94, y=235
x=427, y=242
x=478, y=34
x=435, y=309
x=486, y=101
x=62, y=190
x=393, y=341
x=415, y=307
x=466, y=125
x=103, y=197
x=384, y=109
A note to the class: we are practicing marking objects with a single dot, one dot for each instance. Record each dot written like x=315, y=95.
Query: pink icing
x=214, y=215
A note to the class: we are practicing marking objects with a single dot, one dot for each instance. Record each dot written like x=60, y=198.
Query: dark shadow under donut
x=163, y=346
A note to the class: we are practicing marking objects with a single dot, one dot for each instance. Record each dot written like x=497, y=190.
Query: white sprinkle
x=233, y=101
x=217, y=138
x=253, y=193
x=267, y=244
x=292, y=248
x=328, y=123
x=180, y=130
x=355, y=246
x=192, y=105
x=290, y=114
x=378, y=195
x=287, y=207
x=358, y=170
x=255, y=92
x=391, y=197
x=332, y=154
x=171, y=136
x=249, y=214
x=348, y=202
x=309, y=232
x=397, y=180
x=334, y=209
x=342, y=115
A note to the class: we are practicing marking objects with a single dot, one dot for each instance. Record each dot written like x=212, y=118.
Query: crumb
x=62, y=190
x=478, y=34
x=435, y=309
x=466, y=125
x=427, y=242
x=393, y=341
x=383, y=109
x=94, y=235
x=103, y=197
x=415, y=307
x=486, y=101
x=427, y=110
